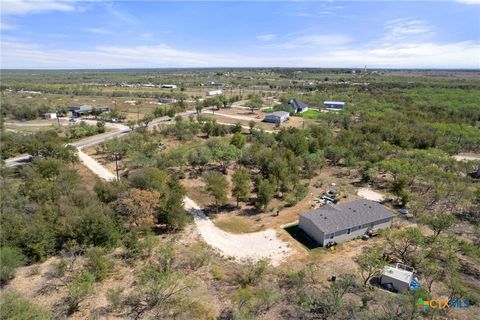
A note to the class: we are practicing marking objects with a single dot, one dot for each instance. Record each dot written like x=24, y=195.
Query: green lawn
x=310, y=113
x=235, y=224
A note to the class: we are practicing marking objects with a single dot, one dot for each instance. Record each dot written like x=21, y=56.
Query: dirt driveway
x=249, y=246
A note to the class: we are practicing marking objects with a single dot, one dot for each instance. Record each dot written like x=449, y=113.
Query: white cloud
x=7, y=26
x=401, y=29
x=266, y=37
x=23, y=7
x=24, y=55
x=469, y=1
x=97, y=30
x=313, y=41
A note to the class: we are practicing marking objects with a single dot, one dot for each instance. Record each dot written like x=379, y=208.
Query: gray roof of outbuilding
x=332, y=218
x=279, y=113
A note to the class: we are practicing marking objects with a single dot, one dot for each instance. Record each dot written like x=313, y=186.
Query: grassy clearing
x=235, y=224
x=310, y=113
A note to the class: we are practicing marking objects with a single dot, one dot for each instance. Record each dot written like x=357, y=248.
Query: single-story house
x=398, y=276
x=346, y=221
x=214, y=93
x=277, y=117
x=335, y=105
x=78, y=111
x=298, y=106
x=167, y=100
x=49, y=115
x=169, y=86
x=102, y=109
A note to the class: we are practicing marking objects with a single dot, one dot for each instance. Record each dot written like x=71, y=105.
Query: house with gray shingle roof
x=345, y=221
x=298, y=106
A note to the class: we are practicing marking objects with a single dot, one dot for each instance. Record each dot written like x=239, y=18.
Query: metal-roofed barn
x=344, y=222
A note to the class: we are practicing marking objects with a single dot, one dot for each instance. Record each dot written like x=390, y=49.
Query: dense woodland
x=395, y=134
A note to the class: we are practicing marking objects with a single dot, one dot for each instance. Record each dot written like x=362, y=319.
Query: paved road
x=90, y=141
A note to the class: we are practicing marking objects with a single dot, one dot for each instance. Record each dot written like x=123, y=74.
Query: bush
x=109, y=191
x=10, y=260
x=96, y=227
x=252, y=273
x=80, y=287
x=114, y=297
x=137, y=247
x=14, y=307
x=98, y=264
x=217, y=272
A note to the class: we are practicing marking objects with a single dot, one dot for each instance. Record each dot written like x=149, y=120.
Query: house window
x=349, y=230
x=332, y=235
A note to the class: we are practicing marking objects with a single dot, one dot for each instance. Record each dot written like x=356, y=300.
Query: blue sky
x=141, y=34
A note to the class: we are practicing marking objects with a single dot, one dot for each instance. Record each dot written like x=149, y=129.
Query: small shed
x=49, y=115
x=398, y=275
x=277, y=117
x=214, y=93
x=334, y=105
x=169, y=86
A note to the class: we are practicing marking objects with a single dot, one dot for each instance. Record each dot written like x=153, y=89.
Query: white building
x=214, y=93
x=398, y=275
x=334, y=105
x=49, y=115
x=169, y=86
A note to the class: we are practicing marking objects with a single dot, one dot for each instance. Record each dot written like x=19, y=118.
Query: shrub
x=96, y=227
x=14, y=307
x=252, y=272
x=10, y=260
x=217, y=272
x=98, y=264
x=114, y=297
x=80, y=287
x=137, y=247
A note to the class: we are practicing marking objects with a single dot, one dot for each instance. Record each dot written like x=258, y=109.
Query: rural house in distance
x=334, y=105
x=344, y=222
x=298, y=106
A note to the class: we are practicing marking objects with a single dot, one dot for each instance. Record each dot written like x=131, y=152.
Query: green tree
x=241, y=185
x=149, y=179
x=216, y=185
x=439, y=223
x=371, y=263
x=264, y=195
x=238, y=140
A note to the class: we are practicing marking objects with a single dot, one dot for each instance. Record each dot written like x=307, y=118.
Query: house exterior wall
x=340, y=236
x=311, y=229
x=300, y=110
x=397, y=283
x=333, y=106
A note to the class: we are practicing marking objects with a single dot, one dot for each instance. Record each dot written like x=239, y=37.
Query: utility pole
x=116, y=165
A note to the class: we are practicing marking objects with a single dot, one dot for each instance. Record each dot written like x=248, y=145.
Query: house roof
x=398, y=273
x=297, y=104
x=334, y=102
x=331, y=218
x=278, y=114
